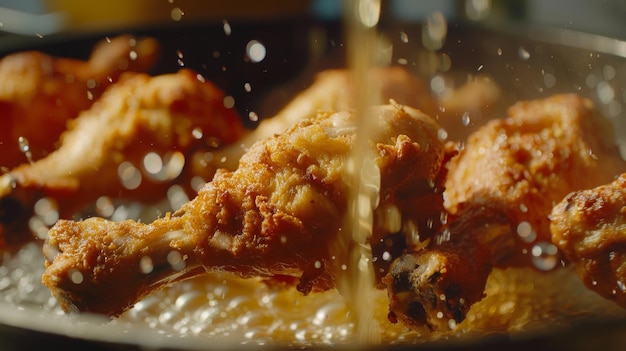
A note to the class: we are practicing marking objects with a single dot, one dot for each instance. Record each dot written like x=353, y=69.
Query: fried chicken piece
x=39, y=90
x=499, y=193
x=589, y=227
x=331, y=91
x=139, y=116
x=276, y=215
x=467, y=105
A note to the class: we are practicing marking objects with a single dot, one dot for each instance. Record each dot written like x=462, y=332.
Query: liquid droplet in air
x=255, y=51
x=523, y=53
x=544, y=256
x=24, y=147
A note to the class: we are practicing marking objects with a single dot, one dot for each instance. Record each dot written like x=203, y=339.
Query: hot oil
x=218, y=306
x=355, y=277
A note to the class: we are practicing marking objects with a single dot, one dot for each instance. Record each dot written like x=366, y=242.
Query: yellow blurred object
x=96, y=15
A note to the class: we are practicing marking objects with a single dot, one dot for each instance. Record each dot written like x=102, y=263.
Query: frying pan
x=527, y=62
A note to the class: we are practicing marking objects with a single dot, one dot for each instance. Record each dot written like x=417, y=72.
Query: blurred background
x=45, y=17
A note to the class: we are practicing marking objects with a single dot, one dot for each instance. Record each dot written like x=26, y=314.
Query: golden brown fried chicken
x=38, y=90
x=589, y=227
x=499, y=193
x=276, y=215
x=330, y=91
x=108, y=149
x=467, y=105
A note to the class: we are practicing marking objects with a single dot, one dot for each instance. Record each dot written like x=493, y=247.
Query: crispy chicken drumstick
x=276, y=215
x=332, y=91
x=137, y=117
x=589, y=227
x=38, y=90
x=499, y=193
x=51, y=177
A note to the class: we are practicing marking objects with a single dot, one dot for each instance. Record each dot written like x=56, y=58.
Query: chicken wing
x=499, y=193
x=119, y=147
x=276, y=215
x=589, y=227
x=39, y=90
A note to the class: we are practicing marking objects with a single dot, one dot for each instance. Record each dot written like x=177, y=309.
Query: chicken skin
x=107, y=149
x=589, y=227
x=277, y=215
x=499, y=193
x=332, y=90
x=39, y=90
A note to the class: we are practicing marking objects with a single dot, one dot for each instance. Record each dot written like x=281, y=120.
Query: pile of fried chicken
x=546, y=179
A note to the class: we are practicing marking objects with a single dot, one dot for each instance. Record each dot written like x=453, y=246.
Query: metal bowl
x=527, y=62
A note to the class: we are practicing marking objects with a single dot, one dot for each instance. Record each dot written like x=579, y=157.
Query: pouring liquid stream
x=355, y=279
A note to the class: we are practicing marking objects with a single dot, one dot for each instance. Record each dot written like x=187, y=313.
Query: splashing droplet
x=255, y=51
x=129, y=175
x=24, y=146
x=523, y=53
x=227, y=29
x=177, y=14
x=544, y=256
x=404, y=37
x=145, y=265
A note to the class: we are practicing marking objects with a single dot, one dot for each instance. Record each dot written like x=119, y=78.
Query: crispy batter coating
x=499, y=193
x=524, y=164
x=276, y=215
x=39, y=90
x=589, y=227
x=137, y=116
x=332, y=90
